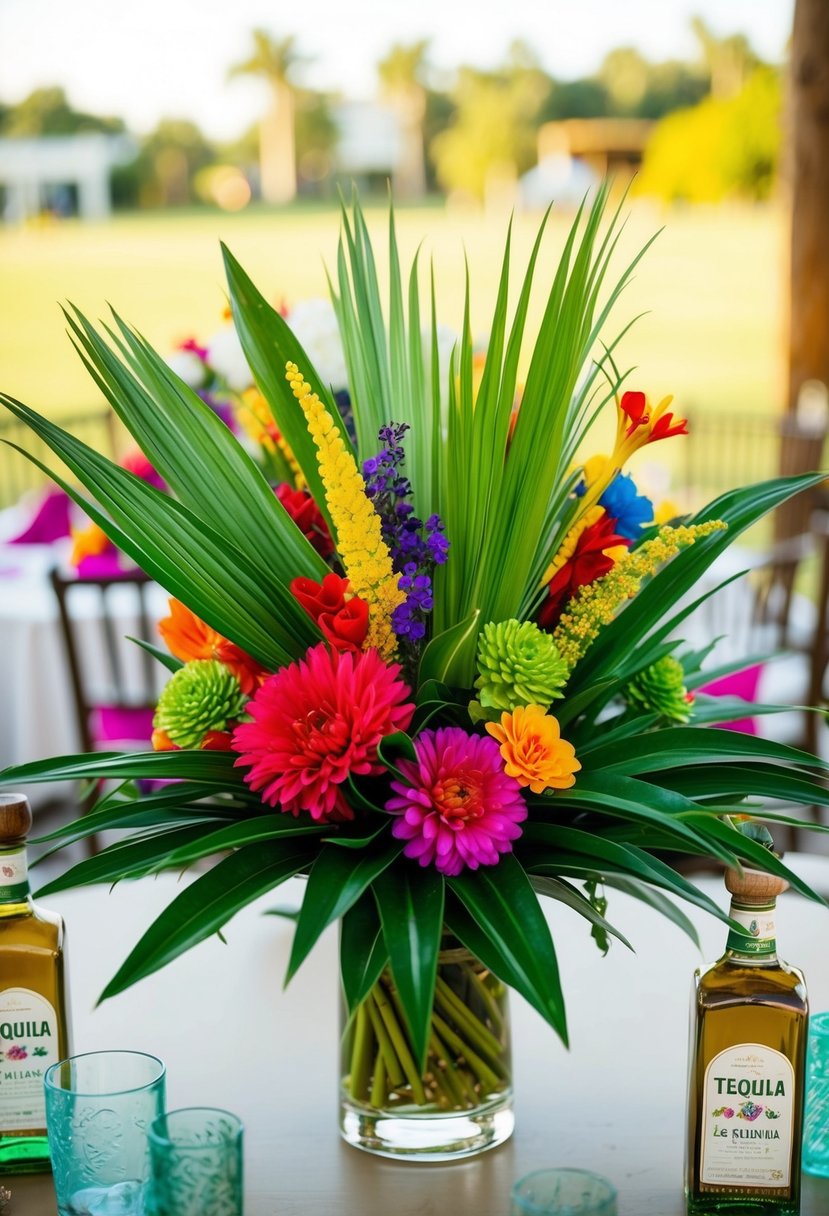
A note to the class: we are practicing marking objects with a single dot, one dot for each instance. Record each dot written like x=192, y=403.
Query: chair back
x=18, y=475
x=113, y=680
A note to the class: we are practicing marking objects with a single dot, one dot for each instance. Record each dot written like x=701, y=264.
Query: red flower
x=344, y=623
x=307, y=516
x=589, y=562
x=315, y=723
x=659, y=424
x=316, y=598
x=635, y=406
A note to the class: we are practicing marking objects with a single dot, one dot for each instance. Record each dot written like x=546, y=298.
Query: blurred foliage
x=717, y=134
x=492, y=134
x=48, y=112
x=722, y=148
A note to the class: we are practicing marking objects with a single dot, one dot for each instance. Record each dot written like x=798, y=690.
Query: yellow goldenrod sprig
x=255, y=417
x=595, y=605
x=363, y=552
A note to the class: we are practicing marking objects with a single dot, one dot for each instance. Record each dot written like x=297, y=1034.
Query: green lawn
x=712, y=288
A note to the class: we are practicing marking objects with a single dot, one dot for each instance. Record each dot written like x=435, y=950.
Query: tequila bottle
x=747, y=1060
x=33, y=1014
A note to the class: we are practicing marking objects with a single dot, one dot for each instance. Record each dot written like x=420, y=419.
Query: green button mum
x=202, y=696
x=660, y=689
x=518, y=664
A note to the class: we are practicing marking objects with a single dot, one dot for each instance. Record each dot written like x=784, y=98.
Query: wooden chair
x=112, y=679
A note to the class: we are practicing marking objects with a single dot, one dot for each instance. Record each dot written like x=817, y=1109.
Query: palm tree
x=401, y=80
x=272, y=60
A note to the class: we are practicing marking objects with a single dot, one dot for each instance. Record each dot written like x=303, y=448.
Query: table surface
x=231, y=1037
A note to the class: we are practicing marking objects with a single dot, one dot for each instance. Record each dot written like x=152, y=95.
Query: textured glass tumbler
x=98, y=1110
x=563, y=1192
x=816, y=1117
x=195, y=1163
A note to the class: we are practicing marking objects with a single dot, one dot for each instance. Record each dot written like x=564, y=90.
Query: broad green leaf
x=363, y=953
x=337, y=880
x=208, y=767
x=676, y=746
x=565, y=893
x=198, y=456
x=269, y=344
x=126, y=859
x=181, y=552
x=410, y=903
x=207, y=904
x=655, y=899
x=507, y=930
x=164, y=657
x=448, y=657
x=251, y=830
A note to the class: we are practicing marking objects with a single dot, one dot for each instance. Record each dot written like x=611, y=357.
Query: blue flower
x=630, y=509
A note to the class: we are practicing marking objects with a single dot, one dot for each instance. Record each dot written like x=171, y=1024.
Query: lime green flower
x=659, y=689
x=518, y=664
x=202, y=696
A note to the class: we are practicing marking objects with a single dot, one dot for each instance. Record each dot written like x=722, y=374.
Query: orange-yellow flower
x=188, y=637
x=533, y=751
x=90, y=541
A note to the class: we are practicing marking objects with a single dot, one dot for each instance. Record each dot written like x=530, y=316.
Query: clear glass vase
x=462, y=1102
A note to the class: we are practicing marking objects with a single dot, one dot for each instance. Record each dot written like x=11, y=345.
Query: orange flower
x=188, y=637
x=90, y=541
x=533, y=751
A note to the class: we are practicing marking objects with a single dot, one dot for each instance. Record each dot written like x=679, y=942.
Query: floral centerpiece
x=449, y=684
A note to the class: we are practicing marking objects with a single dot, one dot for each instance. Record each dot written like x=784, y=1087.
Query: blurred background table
x=615, y=1103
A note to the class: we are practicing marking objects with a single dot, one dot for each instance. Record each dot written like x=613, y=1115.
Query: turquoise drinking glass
x=99, y=1108
x=563, y=1192
x=816, y=1116
x=195, y=1163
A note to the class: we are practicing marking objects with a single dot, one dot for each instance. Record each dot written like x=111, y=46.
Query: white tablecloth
x=231, y=1037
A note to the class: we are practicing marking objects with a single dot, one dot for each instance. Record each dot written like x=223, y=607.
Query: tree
x=402, y=83
x=49, y=112
x=493, y=134
x=730, y=60
x=273, y=60
x=809, y=142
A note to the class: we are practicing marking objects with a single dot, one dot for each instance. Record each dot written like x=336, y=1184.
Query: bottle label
x=757, y=934
x=747, y=1114
x=28, y=1046
x=14, y=876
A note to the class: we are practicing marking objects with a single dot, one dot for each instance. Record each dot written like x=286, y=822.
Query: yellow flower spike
x=533, y=751
x=595, y=605
x=360, y=543
x=255, y=417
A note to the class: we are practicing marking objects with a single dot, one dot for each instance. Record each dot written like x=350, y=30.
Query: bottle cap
x=755, y=886
x=15, y=817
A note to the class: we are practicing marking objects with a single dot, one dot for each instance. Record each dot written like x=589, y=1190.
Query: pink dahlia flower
x=316, y=722
x=457, y=807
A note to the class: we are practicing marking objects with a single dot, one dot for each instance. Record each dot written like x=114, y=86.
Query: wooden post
x=809, y=160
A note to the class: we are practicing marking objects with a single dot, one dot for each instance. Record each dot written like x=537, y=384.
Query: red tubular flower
x=318, y=598
x=664, y=427
x=589, y=562
x=635, y=406
x=307, y=516
x=315, y=723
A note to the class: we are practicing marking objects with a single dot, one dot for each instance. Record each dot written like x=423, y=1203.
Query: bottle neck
x=756, y=938
x=14, y=877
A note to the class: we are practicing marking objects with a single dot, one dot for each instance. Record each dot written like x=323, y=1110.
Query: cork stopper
x=755, y=886
x=15, y=818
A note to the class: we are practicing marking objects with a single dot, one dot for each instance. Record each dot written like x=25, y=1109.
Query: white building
x=31, y=168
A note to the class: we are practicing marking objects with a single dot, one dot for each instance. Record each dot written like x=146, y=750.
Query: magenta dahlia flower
x=317, y=721
x=457, y=807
